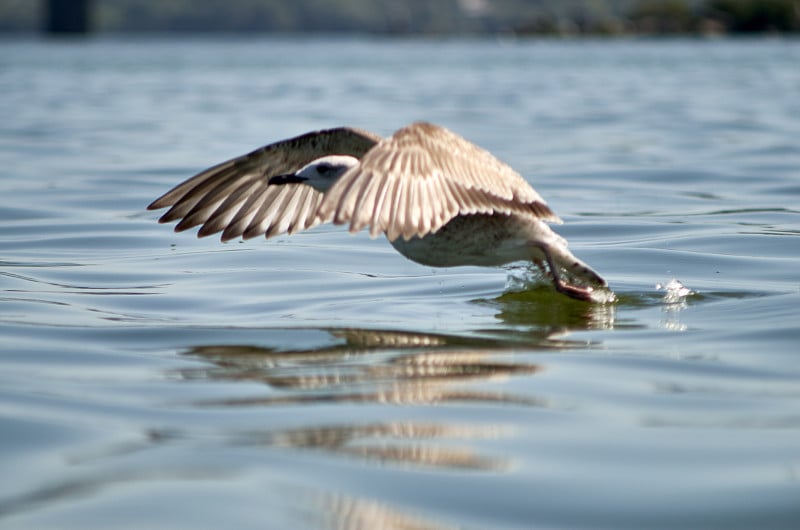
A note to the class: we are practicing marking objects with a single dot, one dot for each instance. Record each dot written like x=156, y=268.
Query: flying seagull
x=440, y=200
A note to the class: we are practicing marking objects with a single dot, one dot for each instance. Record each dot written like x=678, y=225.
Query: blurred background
x=443, y=17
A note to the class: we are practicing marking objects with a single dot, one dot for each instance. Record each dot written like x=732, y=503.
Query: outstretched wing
x=414, y=182
x=235, y=197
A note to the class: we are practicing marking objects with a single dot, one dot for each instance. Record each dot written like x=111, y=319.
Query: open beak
x=290, y=178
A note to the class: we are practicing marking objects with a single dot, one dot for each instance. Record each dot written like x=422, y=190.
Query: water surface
x=150, y=379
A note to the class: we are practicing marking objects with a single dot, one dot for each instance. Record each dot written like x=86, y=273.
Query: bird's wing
x=235, y=196
x=414, y=182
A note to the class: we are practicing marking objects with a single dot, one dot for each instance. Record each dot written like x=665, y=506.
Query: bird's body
x=439, y=199
x=465, y=240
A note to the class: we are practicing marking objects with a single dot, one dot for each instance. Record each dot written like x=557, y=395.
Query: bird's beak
x=290, y=178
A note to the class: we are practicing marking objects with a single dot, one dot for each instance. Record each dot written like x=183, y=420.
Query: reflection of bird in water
x=375, y=368
x=336, y=511
x=420, y=376
x=439, y=199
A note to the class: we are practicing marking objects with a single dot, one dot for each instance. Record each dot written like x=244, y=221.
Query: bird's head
x=320, y=174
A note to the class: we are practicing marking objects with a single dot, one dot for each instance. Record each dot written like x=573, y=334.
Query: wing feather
x=380, y=214
x=237, y=226
x=414, y=182
x=229, y=209
x=180, y=193
x=365, y=203
x=305, y=212
x=235, y=197
x=261, y=220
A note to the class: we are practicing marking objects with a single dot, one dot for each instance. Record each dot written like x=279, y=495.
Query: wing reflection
x=370, y=366
x=377, y=369
x=337, y=511
x=348, y=374
x=395, y=442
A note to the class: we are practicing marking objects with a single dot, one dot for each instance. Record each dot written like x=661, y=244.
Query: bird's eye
x=323, y=168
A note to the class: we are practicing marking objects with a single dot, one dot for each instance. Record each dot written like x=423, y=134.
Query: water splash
x=604, y=296
x=676, y=292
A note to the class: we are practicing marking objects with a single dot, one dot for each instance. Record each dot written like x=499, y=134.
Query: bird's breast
x=481, y=239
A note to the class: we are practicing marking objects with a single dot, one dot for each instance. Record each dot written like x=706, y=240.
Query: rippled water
x=150, y=379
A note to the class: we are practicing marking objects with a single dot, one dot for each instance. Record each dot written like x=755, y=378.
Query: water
x=150, y=379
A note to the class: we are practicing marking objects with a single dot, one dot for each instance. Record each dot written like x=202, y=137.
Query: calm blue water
x=152, y=380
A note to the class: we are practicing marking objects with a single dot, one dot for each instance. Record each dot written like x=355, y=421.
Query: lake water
x=153, y=380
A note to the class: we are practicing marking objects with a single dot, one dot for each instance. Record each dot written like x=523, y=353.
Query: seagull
x=441, y=200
